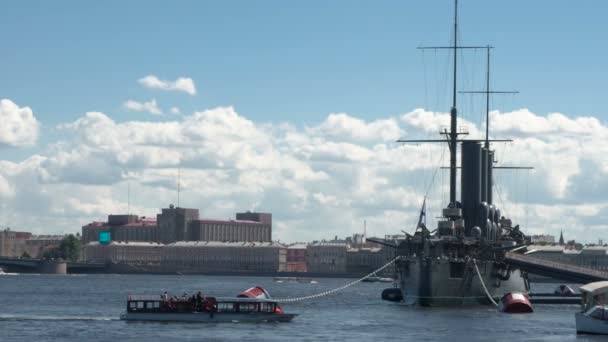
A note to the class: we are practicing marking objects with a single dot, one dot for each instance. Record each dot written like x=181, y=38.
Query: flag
x=422, y=218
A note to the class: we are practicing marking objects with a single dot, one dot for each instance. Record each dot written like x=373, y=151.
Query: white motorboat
x=593, y=318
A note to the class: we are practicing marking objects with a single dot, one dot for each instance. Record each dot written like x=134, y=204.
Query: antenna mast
x=129, y=197
x=453, y=134
x=487, y=92
x=178, y=180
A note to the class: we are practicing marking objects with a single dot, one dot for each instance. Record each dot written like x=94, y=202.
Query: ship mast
x=452, y=134
x=454, y=115
x=488, y=92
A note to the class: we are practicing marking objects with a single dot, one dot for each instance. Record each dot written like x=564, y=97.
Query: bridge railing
x=556, y=265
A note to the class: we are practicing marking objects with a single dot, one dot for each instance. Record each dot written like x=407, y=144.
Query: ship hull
x=207, y=317
x=444, y=282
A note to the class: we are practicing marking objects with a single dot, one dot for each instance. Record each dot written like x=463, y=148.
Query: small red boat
x=515, y=302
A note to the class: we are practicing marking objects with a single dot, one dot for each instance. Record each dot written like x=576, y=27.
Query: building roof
x=328, y=244
x=142, y=223
x=364, y=249
x=545, y=248
x=126, y=243
x=298, y=245
x=594, y=250
x=225, y=244
x=208, y=220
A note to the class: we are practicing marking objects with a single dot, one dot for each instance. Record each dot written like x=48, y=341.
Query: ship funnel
x=484, y=175
x=470, y=183
x=489, y=180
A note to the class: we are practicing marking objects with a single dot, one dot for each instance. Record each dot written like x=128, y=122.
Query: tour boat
x=253, y=305
x=593, y=318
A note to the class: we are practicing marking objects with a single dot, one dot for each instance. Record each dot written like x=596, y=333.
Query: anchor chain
x=483, y=285
x=322, y=294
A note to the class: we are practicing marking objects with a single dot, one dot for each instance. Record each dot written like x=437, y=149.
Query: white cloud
x=183, y=84
x=318, y=181
x=342, y=125
x=19, y=125
x=150, y=106
x=175, y=111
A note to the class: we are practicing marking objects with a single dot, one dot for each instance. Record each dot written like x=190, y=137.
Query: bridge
x=555, y=270
x=13, y=264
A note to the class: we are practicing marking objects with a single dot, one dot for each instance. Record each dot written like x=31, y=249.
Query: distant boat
x=294, y=280
x=593, y=319
x=375, y=279
x=565, y=291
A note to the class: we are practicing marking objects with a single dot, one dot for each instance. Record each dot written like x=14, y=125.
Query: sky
x=294, y=108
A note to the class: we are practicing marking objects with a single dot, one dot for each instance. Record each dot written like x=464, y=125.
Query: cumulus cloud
x=318, y=181
x=183, y=84
x=19, y=125
x=150, y=106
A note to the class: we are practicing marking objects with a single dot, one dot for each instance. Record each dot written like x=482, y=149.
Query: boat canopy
x=596, y=288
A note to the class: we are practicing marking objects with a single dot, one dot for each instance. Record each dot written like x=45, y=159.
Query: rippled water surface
x=86, y=308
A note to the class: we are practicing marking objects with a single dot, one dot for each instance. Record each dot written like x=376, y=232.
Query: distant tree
x=26, y=255
x=69, y=249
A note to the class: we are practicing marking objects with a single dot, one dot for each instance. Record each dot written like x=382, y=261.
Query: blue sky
x=286, y=60
x=259, y=64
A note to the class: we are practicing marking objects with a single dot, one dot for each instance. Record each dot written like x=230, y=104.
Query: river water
x=87, y=307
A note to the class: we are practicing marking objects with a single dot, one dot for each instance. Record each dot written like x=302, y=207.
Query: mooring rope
x=483, y=284
x=298, y=299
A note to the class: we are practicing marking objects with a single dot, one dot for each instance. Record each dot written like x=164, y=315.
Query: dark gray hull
x=431, y=282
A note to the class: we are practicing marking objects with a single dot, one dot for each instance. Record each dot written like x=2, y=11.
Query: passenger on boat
x=199, y=301
x=165, y=296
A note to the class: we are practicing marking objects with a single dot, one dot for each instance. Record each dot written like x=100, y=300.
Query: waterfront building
x=201, y=256
x=18, y=244
x=542, y=239
x=363, y=260
x=230, y=230
x=326, y=256
x=37, y=245
x=122, y=228
x=181, y=224
x=296, y=257
x=11, y=242
x=147, y=253
x=173, y=223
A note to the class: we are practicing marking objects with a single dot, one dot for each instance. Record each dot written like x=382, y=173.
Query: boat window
x=149, y=305
x=248, y=307
x=225, y=307
x=597, y=313
x=457, y=269
x=140, y=305
x=267, y=307
x=156, y=305
x=132, y=305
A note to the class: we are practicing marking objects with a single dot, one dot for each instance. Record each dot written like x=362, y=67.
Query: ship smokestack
x=489, y=180
x=470, y=183
x=484, y=175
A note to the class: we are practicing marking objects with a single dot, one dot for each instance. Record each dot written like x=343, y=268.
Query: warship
x=462, y=261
